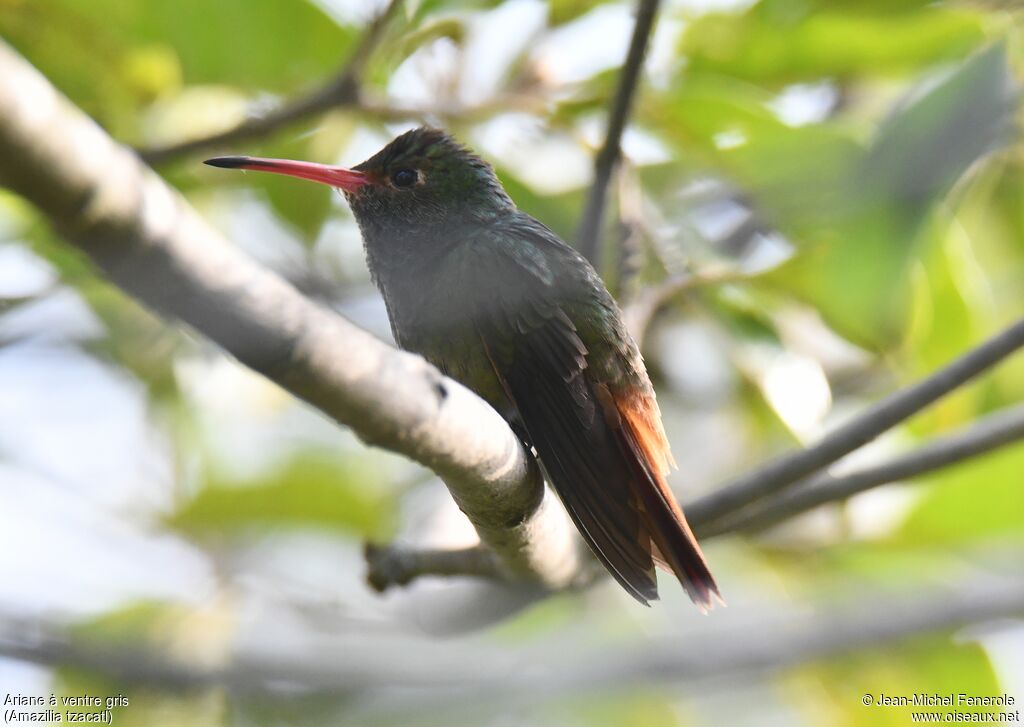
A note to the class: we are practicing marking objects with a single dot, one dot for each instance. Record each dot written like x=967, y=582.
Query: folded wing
x=601, y=445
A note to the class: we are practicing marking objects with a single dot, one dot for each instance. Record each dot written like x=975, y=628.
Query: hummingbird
x=497, y=301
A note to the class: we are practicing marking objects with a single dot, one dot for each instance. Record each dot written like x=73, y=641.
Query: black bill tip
x=229, y=162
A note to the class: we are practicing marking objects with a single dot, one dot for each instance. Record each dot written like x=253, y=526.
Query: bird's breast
x=434, y=313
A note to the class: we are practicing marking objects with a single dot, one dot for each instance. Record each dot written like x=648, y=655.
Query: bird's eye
x=404, y=178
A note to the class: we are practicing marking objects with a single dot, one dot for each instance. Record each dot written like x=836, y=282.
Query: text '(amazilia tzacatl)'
x=498, y=302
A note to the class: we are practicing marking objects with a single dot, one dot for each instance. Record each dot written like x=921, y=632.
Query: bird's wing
x=596, y=448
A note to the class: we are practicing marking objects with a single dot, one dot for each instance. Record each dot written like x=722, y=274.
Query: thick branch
x=692, y=661
x=146, y=239
x=589, y=234
x=341, y=90
x=782, y=472
x=994, y=431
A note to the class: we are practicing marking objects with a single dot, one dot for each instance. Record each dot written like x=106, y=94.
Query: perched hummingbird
x=498, y=302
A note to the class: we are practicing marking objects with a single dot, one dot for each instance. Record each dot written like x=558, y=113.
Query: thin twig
x=390, y=566
x=783, y=471
x=589, y=233
x=519, y=101
x=641, y=310
x=341, y=90
x=992, y=432
x=631, y=233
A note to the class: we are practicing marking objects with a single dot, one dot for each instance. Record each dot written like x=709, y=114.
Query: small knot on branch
x=392, y=565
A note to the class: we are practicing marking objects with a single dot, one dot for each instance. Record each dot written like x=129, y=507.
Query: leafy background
x=845, y=179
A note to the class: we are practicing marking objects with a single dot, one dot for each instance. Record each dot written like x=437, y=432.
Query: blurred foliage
x=157, y=625
x=953, y=511
x=313, y=490
x=778, y=42
x=853, y=168
x=114, y=58
x=919, y=668
x=562, y=11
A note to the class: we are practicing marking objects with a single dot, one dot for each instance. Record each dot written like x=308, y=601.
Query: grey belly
x=463, y=358
x=435, y=318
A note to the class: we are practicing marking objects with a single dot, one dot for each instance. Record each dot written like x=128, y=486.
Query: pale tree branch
x=692, y=662
x=341, y=90
x=146, y=238
x=782, y=472
x=588, y=236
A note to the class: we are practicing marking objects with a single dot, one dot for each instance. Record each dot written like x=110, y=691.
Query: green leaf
x=931, y=142
x=951, y=310
x=453, y=28
x=425, y=8
x=793, y=171
x=979, y=499
x=747, y=312
x=561, y=12
x=855, y=276
x=926, y=145
x=185, y=634
x=133, y=622
x=832, y=691
x=638, y=708
x=858, y=249
x=259, y=44
x=304, y=205
x=782, y=41
x=559, y=212
x=988, y=261
x=113, y=57
x=313, y=490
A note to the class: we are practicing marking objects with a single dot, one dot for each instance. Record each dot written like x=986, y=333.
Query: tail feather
x=605, y=457
x=674, y=546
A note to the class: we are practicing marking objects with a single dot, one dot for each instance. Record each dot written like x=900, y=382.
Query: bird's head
x=422, y=180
